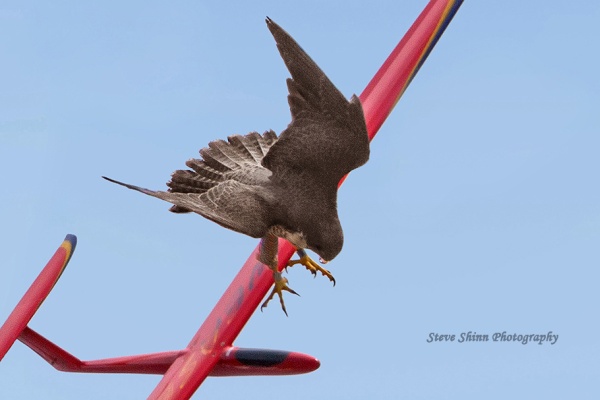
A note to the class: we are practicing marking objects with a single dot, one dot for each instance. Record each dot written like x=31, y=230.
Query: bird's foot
x=311, y=265
x=280, y=286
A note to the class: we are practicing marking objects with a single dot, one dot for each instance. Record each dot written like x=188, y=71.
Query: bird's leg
x=310, y=265
x=268, y=256
x=280, y=286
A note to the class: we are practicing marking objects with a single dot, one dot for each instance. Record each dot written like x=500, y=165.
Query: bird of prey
x=266, y=186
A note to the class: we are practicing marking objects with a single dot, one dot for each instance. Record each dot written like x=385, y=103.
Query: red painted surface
x=156, y=363
x=228, y=363
x=37, y=293
x=221, y=327
x=294, y=363
x=253, y=281
x=389, y=83
x=210, y=352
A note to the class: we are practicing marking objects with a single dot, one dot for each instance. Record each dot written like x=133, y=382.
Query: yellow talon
x=280, y=286
x=311, y=265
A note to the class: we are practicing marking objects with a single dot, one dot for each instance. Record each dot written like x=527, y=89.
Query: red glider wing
x=253, y=281
x=210, y=352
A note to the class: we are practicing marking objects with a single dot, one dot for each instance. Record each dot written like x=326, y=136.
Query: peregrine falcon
x=266, y=186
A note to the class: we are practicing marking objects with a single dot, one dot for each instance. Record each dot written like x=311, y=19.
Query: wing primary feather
x=132, y=187
x=200, y=167
x=309, y=82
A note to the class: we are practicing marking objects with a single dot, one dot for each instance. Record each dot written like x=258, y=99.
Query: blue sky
x=478, y=211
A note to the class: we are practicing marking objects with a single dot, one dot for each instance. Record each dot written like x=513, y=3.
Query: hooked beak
x=323, y=261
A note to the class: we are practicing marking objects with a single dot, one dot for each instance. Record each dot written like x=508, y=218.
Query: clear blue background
x=479, y=210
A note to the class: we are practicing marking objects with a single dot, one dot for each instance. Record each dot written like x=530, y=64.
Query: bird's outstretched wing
x=226, y=186
x=328, y=134
x=239, y=158
x=231, y=204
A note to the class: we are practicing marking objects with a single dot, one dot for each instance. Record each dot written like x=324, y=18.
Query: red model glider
x=211, y=351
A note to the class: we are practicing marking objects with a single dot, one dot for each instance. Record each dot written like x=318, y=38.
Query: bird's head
x=325, y=238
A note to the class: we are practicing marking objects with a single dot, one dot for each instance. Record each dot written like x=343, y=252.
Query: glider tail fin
x=234, y=361
x=37, y=293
